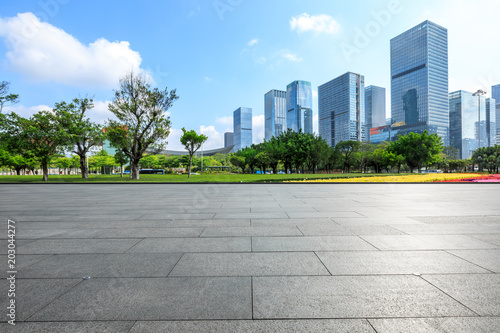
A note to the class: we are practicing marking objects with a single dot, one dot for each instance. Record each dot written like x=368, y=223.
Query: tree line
x=304, y=152
x=142, y=125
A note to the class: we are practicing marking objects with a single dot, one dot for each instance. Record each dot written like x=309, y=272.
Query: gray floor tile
x=103, y=265
x=249, y=264
x=54, y=246
x=374, y=221
x=426, y=242
x=479, y=292
x=24, y=260
x=336, y=230
x=489, y=238
x=290, y=222
x=436, y=325
x=489, y=259
x=164, y=245
x=250, y=231
x=150, y=232
x=310, y=243
x=153, y=299
x=446, y=229
x=392, y=262
x=254, y=326
x=458, y=219
x=351, y=297
x=34, y=294
x=70, y=327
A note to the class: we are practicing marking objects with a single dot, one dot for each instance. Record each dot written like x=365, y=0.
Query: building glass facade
x=228, y=139
x=242, y=128
x=419, y=80
x=341, y=108
x=495, y=94
x=491, y=122
x=466, y=125
x=374, y=108
x=299, y=114
x=275, y=113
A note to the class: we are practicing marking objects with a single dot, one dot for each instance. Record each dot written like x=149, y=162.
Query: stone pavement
x=253, y=257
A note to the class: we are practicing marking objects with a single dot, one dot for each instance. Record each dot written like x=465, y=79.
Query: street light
x=479, y=93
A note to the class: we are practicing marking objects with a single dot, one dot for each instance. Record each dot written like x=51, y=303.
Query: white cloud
x=253, y=42
x=260, y=60
x=43, y=52
x=215, y=139
x=258, y=129
x=292, y=57
x=228, y=121
x=319, y=23
x=99, y=114
x=26, y=111
x=208, y=79
x=174, y=140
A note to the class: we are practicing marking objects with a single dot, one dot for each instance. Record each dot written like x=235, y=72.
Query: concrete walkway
x=253, y=258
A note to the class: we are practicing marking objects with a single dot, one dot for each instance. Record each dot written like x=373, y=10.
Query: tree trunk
x=134, y=169
x=83, y=167
x=121, y=170
x=45, y=171
x=190, y=165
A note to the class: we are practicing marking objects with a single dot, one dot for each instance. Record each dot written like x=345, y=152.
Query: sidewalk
x=253, y=258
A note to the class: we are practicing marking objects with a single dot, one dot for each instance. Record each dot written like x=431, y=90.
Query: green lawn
x=206, y=178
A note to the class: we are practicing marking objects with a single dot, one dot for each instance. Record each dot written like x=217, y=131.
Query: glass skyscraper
x=341, y=108
x=466, y=125
x=495, y=94
x=491, y=122
x=228, y=139
x=275, y=113
x=299, y=114
x=419, y=80
x=242, y=128
x=374, y=108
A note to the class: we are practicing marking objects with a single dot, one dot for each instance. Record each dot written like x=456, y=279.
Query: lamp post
x=479, y=93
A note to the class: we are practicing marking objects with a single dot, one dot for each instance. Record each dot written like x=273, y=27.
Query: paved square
x=375, y=258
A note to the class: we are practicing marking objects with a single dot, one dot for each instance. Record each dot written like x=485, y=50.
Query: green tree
x=249, y=153
x=63, y=163
x=347, y=150
x=121, y=159
x=5, y=97
x=317, y=150
x=192, y=142
x=82, y=134
x=418, y=149
x=40, y=134
x=149, y=161
x=238, y=161
x=142, y=119
x=487, y=158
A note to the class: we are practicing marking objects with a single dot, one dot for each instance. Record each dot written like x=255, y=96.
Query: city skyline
x=210, y=50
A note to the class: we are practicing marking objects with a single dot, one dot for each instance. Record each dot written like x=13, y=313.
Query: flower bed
x=476, y=179
x=413, y=178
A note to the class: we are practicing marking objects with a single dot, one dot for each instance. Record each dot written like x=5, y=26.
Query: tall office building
x=242, y=128
x=299, y=114
x=419, y=80
x=228, y=139
x=466, y=125
x=374, y=108
x=341, y=103
x=275, y=113
x=495, y=94
x=491, y=122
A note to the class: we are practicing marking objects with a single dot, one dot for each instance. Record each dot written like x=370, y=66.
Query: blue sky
x=223, y=54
